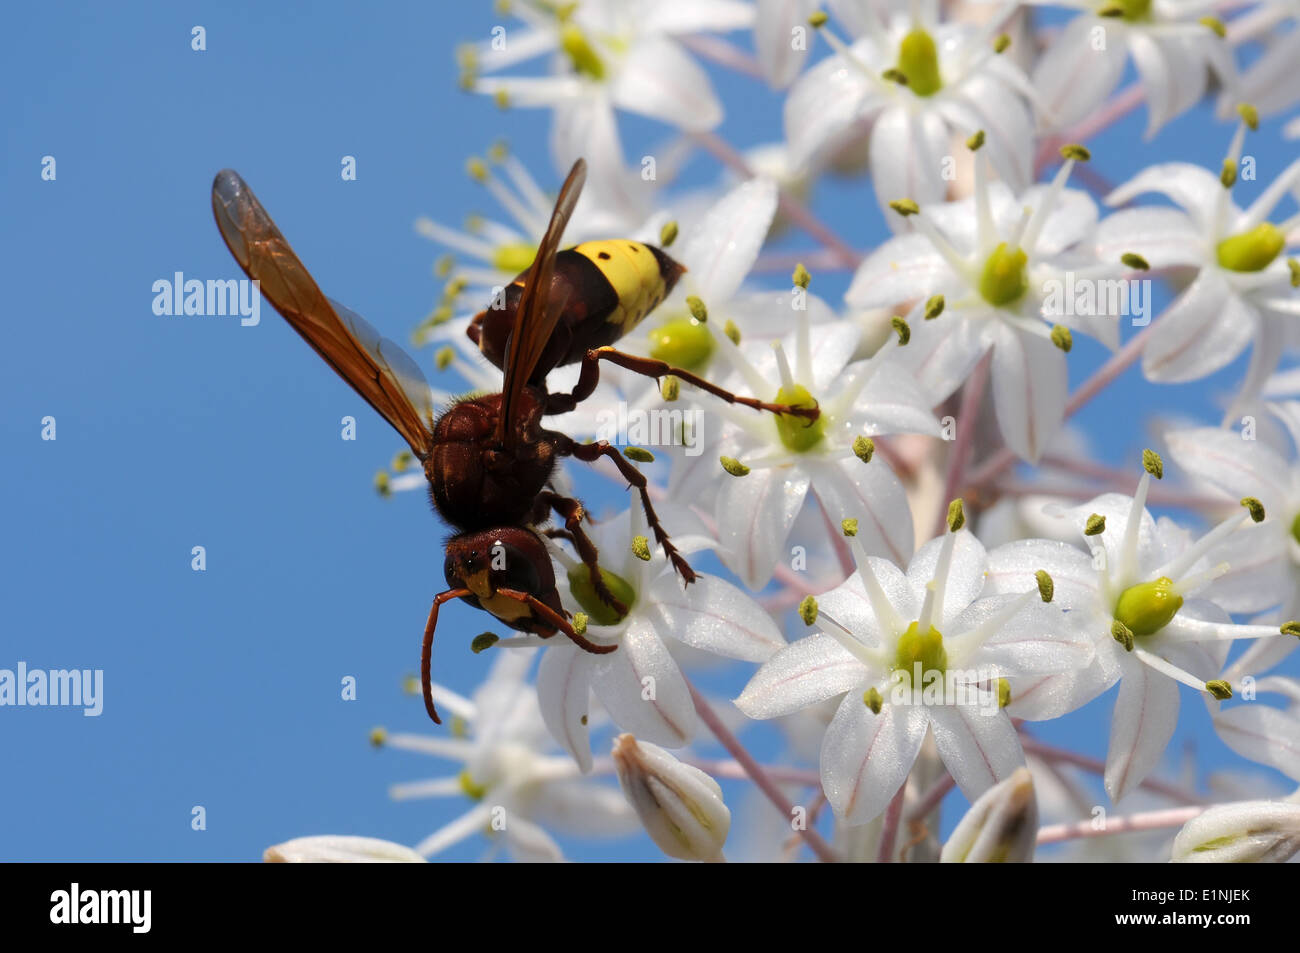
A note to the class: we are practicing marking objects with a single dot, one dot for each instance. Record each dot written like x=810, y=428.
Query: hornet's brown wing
x=379, y=370
x=534, y=320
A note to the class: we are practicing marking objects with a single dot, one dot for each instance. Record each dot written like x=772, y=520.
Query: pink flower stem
x=795, y=210
x=1116, y=108
x=762, y=780
x=971, y=396
x=889, y=830
x=1146, y=821
x=931, y=799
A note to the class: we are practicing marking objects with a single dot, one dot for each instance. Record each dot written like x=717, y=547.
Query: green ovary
x=515, y=258
x=927, y=649
x=1005, y=278
x=798, y=433
x=1149, y=606
x=682, y=342
x=918, y=60
x=1130, y=10
x=585, y=59
x=584, y=591
x=1295, y=528
x=1254, y=250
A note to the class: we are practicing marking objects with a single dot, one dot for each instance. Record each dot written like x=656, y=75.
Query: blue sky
x=222, y=687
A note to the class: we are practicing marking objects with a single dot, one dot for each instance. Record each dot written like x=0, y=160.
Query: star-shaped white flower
x=640, y=685
x=999, y=262
x=518, y=788
x=1173, y=49
x=882, y=629
x=920, y=82
x=1244, y=287
x=1269, y=82
x=1265, y=557
x=607, y=55
x=776, y=463
x=1135, y=597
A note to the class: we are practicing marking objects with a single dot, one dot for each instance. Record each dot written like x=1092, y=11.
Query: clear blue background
x=223, y=687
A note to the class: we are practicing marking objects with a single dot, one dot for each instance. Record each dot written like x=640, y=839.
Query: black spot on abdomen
x=603, y=256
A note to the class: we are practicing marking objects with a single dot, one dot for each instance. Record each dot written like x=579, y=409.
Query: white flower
x=1000, y=827
x=785, y=459
x=1261, y=733
x=1268, y=83
x=1173, y=51
x=999, y=262
x=954, y=84
x=340, y=849
x=1265, y=557
x=517, y=788
x=960, y=646
x=1250, y=832
x=680, y=806
x=1135, y=599
x=608, y=55
x=1243, y=291
x=640, y=685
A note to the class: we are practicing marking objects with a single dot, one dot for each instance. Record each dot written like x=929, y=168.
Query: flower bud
x=679, y=805
x=1001, y=827
x=1247, y=832
x=339, y=849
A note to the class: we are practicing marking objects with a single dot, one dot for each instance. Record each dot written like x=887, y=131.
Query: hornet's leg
x=591, y=452
x=553, y=618
x=649, y=367
x=573, y=512
x=426, y=649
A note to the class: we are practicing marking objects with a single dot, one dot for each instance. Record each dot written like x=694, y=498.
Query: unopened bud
x=1001, y=827
x=339, y=849
x=1250, y=832
x=679, y=805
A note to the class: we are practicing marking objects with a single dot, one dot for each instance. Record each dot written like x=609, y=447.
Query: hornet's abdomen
x=606, y=289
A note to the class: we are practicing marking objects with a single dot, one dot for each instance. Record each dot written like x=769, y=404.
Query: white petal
x=871, y=494
x=1037, y=640
x=1043, y=697
x=340, y=849
x=579, y=807
x=713, y=615
x=754, y=514
x=722, y=247
x=529, y=843
x=564, y=694
x=1007, y=124
x=773, y=38
x=802, y=674
x=1173, y=76
x=823, y=105
x=849, y=605
x=1029, y=390
x=1204, y=329
x=891, y=402
x=942, y=353
x=1227, y=462
x=1262, y=734
x=979, y=748
x=965, y=574
x=1146, y=714
x=1012, y=568
x=643, y=689
x=1195, y=189
x=905, y=267
x=1072, y=219
x=1163, y=236
x=659, y=80
x=866, y=757
x=907, y=153
x=1073, y=77
x=695, y=16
